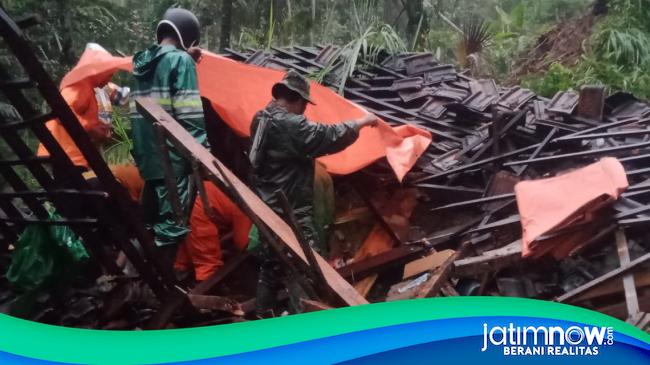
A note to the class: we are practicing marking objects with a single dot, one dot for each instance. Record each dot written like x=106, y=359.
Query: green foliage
x=615, y=77
x=367, y=46
x=118, y=150
x=617, y=54
x=619, y=51
x=440, y=41
x=627, y=46
x=557, y=78
x=68, y=25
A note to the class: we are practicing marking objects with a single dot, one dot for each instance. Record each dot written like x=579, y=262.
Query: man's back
x=284, y=165
x=290, y=145
x=168, y=76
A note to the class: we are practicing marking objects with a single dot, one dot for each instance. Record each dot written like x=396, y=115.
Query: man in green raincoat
x=166, y=73
x=284, y=148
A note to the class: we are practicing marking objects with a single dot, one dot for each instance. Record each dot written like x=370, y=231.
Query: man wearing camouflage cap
x=284, y=147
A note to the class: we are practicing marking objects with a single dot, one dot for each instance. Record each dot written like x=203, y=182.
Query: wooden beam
x=641, y=280
x=631, y=298
x=619, y=310
x=215, y=303
x=178, y=298
x=313, y=306
x=383, y=261
x=313, y=270
x=427, y=263
x=232, y=186
x=442, y=273
x=489, y=261
x=569, y=296
x=364, y=286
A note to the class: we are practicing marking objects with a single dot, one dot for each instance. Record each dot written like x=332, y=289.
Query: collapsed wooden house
x=451, y=229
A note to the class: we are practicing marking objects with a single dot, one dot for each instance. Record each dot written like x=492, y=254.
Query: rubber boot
x=268, y=284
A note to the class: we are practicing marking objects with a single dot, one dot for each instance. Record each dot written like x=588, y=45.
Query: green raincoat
x=168, y=76
x=285, y=146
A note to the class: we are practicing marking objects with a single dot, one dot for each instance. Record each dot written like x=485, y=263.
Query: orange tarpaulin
x=94, y=62
x=575, y=198
x=238, y=91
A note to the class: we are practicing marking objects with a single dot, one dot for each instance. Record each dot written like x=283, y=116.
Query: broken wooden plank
x=215, y=303
x=442, y=273
x=381, y=220
x=229, y=266
x=353, y=215
x=429, y=283
x=381, y=262
x=449, y=291
x=313, y=271
x=407, y=289
x=641, y=280
x=489, y=261
x=642, y=321
x=427, y=263
x=313, y=306
x=631, y=298
x=619, y=310
x=569, y=296
x=364, y=286
x=175, y=301
x=189, y=147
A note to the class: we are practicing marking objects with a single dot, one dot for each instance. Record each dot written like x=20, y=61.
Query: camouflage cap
x=294, y=82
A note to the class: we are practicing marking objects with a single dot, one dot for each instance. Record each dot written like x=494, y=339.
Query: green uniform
x=285, y=160
x=168, y=76
x=282, y=157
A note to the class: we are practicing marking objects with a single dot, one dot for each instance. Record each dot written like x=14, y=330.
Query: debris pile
x=453, y=227
x=464, y=234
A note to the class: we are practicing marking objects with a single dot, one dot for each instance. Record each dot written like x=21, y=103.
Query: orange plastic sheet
x=569, y=200
x=94, y=62
x=237, y=91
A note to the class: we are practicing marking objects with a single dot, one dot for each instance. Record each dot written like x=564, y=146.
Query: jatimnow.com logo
x=547, y=340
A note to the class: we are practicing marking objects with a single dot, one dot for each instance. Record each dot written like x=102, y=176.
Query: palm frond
x=476, y=37
x=366, y=47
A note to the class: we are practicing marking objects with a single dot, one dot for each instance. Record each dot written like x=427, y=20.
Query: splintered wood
x=428, y=263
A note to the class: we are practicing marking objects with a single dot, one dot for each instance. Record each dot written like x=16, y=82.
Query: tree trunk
x=392, y=10
x=418, y=24
x=290, y=17
x=226, y=24
x=313, y=22
x=67, y=52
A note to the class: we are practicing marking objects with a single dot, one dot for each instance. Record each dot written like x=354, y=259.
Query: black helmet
x=184, y=23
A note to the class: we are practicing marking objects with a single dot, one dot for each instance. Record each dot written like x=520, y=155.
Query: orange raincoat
x=202, y=249
x=94, y=69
